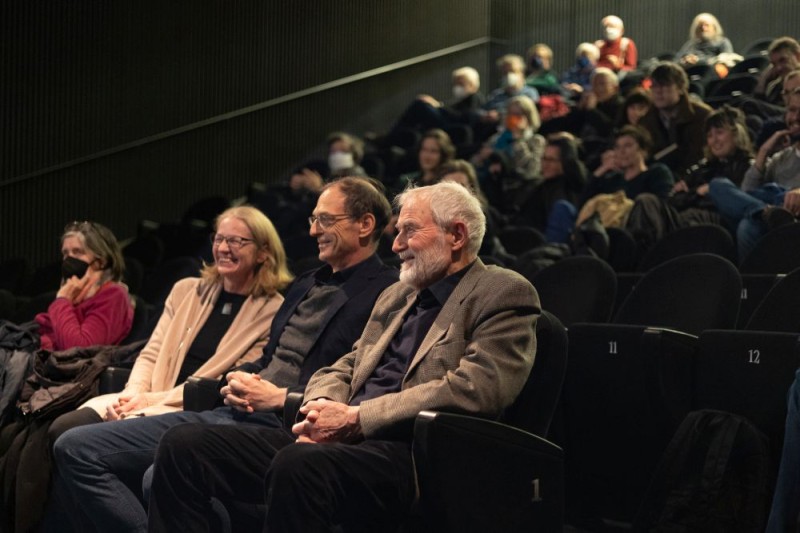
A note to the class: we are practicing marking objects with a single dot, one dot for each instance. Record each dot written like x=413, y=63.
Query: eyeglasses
x=77, y=225
x=325, y=220
x=234, y=243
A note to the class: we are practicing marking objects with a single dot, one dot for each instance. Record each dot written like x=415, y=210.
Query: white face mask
x=612, y=33
x=459, y=92
x=511, y=79
x=340, y=161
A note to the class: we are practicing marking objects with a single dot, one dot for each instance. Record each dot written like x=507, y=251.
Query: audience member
x=636, y=105
x=676, y=122
x=512, y=70
x=463, y=173
x=435, y=149
x=595, y=115
x=92, y=306
x=455, y=335
x=784, y=56
x=617, y=53
x=625, y=169
x=540, y=73
x=324, y=313
x=578, y=78
x=426, y=112
x=563, y=178
x=729, y=153
x=706, y=42
x=772, y=115
x=521, y=146
x=209, y=325
x=770, y=192
x=345, y=152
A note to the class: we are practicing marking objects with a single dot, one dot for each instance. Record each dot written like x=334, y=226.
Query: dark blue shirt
x=388, y=375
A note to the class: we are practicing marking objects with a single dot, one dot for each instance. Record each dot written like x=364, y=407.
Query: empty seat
x=627, y=389
x=157, y=286
x=689, y=293
x=577, y=289
x=759, y=46
x=777, y=252
x=520, y=239
x=752, y=64
x=754, y=288
x=702, y=238
x=623, y=253
x=779, y=310
x=748, y=373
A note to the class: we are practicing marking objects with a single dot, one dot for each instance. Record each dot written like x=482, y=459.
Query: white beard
x=427, y=266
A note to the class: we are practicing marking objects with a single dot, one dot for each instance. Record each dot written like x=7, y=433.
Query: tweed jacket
x=186, y=309
x=474, y=359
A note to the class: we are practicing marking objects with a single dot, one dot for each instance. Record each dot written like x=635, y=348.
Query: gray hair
x=449, y=203
x=470, y=73
x=589, y=50
x=606, y=72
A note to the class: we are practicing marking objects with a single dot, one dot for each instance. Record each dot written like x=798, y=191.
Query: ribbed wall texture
x=119, y=111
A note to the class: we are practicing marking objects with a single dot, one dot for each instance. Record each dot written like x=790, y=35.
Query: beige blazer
x=185, y=311
x=474, y=359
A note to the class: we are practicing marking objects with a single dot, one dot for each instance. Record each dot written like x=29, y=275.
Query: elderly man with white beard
x=453, y=335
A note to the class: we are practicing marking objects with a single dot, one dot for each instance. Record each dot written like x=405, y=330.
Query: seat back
x=623, y=252
x=140, y=329
x=520, y=239
x=533, y=409
x=577, y=289
x=689, y=293
x=626, y=391
x=779, y=310
x=157, y=286
x=777, y=252
x=703, y=238
x=754, y=288
x=748, y=373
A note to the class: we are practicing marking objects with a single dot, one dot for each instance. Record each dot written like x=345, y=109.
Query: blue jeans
x=786, y=500
x=561, y=222
x=741, y=210
x=100, y=467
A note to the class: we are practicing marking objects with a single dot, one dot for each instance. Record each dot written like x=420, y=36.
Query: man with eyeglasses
x=323, y=314
x=676, y=122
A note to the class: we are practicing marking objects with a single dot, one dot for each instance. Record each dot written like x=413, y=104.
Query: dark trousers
x=308, y=487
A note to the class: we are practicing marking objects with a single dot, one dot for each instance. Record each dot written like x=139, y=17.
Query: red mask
x=513, y=122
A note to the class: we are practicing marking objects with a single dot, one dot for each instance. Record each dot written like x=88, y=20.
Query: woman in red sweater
x=92, y=306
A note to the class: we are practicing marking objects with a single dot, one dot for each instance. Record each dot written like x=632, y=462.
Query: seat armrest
x=294, y=400
x=516, y=479
x=201, y=394
x=113, y=379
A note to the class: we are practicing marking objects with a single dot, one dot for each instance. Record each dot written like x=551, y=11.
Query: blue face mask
x=536, y=63
x=583, y=62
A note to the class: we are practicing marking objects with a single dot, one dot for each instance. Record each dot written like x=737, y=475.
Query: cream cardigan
x=185, y=311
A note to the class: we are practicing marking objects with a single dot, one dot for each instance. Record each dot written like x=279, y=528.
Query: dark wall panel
x=89, y=77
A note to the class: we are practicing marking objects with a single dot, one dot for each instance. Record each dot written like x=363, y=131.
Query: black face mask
x=73, y=267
